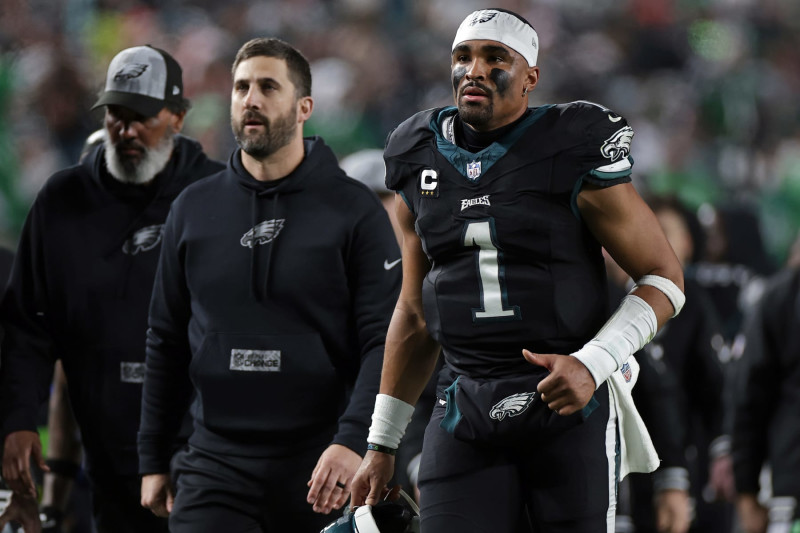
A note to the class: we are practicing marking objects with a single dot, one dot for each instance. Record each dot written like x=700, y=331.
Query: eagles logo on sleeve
x=618, y=146
x=144, y=239
x=262, y=233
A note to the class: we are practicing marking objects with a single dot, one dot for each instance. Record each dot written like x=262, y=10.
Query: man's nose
x=251, y=99
x=129, y=130
x=476, y=69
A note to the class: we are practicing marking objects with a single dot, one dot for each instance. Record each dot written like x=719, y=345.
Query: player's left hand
x=23, y=510
x=568, y=388
x=672, y=511
x=331, y=478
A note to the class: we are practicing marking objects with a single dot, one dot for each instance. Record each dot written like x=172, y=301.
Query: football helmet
x=399, y=516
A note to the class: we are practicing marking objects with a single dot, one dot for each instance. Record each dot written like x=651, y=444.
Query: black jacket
x=80, y=290
x=766, y=421
x=274, y=299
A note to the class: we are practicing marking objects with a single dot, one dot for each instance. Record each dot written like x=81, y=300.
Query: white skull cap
x=503, y=27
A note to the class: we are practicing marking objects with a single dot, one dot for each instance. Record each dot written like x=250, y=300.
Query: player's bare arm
x=624, y=224
x=409, y=359
x=411, y=353
x=626, y=227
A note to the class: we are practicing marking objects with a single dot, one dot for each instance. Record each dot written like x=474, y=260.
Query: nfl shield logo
x=473, y=170
x=626, y=372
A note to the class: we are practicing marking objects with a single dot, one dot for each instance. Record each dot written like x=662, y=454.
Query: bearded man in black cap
x=80, y=289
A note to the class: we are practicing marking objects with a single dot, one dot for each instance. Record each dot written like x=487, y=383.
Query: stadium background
x=710, y=86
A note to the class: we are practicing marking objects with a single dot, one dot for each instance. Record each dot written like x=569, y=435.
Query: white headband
x=493, y=25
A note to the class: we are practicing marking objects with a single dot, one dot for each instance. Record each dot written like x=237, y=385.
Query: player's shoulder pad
x=405, y=142
x=410, y=133
x=595, y=124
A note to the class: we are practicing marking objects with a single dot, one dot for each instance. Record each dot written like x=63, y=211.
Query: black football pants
x=563, y=484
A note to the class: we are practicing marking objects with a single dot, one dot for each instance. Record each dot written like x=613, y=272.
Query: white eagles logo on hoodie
x=144, y=240
x=262, y=233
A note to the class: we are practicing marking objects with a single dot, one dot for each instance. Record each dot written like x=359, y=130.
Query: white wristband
x=389, y=421
x=666, y=286
x=632, y=325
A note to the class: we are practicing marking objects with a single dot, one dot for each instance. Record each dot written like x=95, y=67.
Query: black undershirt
x=475, y=141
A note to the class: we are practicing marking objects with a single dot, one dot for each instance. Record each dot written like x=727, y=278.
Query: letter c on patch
x=429, y=179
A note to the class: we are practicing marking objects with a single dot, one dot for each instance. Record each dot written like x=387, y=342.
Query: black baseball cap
x=144, y=79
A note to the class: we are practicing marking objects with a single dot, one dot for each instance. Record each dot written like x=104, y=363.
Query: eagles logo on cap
x=144, y=79
x=130, y=71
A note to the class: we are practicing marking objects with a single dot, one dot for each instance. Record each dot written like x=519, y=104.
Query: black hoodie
x=80, y=290
x=274, y=299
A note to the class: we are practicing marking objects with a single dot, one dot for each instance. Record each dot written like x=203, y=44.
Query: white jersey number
x=491, y=273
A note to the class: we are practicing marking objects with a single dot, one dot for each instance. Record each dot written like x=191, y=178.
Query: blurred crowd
x=709, y=85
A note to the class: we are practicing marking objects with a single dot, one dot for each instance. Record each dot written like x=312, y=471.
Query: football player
x=504, y=210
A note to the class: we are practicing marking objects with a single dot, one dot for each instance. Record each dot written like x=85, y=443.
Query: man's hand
x=22, y=510
x=19, y=446
x=752, y=515
x=369, y=483
x=330, y=480
x=720, y=478
x=158, y=494
x=672, y=511
x=568, y=388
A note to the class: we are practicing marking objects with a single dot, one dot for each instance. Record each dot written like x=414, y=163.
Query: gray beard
x=153, y=161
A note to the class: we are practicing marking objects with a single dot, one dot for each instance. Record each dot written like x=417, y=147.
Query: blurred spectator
x=683, y=353
x=766, y=417
x=708, y=86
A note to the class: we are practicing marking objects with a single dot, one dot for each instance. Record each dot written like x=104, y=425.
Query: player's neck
x=475, y=141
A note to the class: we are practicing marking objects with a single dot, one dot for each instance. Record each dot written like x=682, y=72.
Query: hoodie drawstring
x=271, y=246
x=259, y=296
x=253, y=259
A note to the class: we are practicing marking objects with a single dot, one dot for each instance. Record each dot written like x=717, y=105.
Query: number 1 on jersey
x=494, y=300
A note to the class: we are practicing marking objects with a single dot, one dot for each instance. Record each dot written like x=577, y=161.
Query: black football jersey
x=512, y=264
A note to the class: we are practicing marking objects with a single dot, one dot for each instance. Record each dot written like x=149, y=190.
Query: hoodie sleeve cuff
x=154, y=454
x=19, y=421
x=352, y=436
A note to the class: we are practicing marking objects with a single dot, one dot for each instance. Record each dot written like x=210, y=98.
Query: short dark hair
x=299, y=69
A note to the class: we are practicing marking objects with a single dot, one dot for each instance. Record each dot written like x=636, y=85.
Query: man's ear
x=305, y=106
x=176, y=120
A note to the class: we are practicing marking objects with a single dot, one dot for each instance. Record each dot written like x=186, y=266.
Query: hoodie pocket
x=264, y=383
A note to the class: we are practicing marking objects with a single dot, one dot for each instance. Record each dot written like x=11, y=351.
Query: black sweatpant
x=244, y=494
x=116, y=503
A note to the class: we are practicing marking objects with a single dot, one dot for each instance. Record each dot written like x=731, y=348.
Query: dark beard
x=476, y=116
x=276, y=135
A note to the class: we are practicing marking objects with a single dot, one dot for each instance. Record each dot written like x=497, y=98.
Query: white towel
x=637, y=453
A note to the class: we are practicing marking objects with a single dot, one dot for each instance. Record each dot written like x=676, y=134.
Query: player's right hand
x=369, y=484
x=158, y=494
x=19, y=447
x=22, y=510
